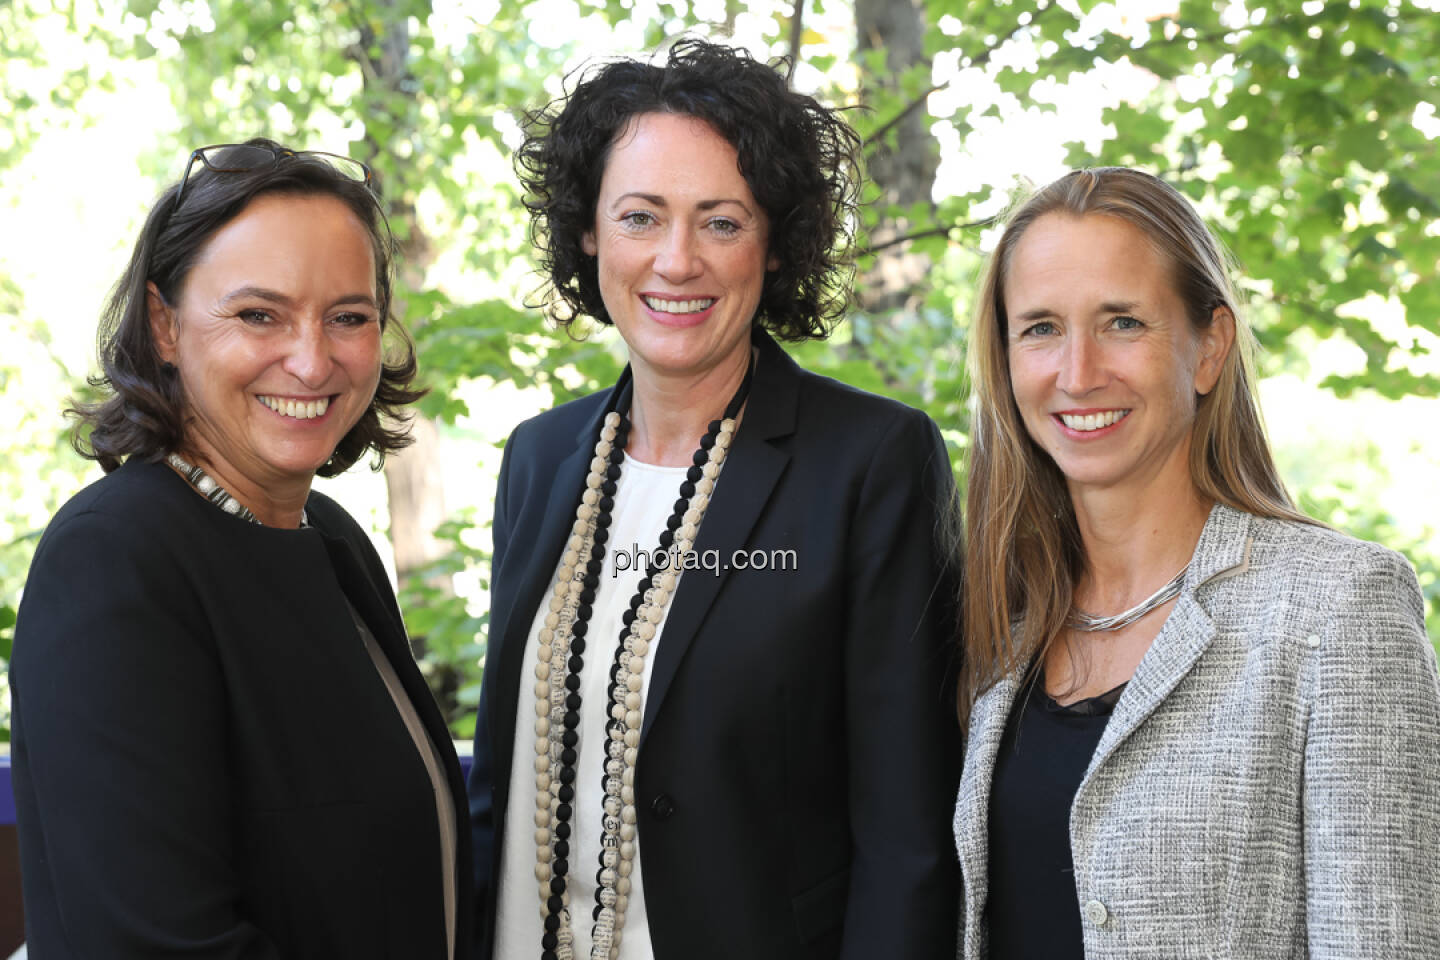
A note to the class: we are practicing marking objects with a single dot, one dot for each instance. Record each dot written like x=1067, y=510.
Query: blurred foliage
x=7, y=637
x=446, y=637
x=1290, y=125
x=1304, y=150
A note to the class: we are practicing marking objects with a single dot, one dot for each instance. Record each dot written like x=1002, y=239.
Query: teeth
x=679, y=306
x=303, y=410
x=1093, y=421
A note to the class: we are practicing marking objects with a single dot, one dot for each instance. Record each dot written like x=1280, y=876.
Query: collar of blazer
x=753, y=467
x=1223, y=551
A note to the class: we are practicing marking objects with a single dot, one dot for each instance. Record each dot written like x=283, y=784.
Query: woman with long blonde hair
x=1199, y=723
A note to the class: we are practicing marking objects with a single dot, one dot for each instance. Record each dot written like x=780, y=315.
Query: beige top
x=444, y=801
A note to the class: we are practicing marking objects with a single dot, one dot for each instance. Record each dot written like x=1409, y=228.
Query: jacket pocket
x=821, y=908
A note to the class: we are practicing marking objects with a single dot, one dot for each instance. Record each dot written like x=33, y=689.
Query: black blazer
x=799, y=753
x=206, y=762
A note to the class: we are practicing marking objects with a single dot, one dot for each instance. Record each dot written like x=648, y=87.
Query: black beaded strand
x=578, y=628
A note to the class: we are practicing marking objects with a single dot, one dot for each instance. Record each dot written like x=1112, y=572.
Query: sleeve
x=480, y=786
x=1372, y=773
x=120, y=773
x=904, y=754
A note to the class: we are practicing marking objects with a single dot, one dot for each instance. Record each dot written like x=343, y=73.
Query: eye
x=351, y=319
x=1125, y=322
x=255, y=318
x=1042, y=329
x=724, y=226
x=638, y=218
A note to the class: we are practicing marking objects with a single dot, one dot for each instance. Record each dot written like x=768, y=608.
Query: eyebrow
x=1109, y=306
x=659, y=201
x=276, y=297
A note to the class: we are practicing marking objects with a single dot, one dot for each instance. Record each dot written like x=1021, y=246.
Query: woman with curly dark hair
x=771, y=780
x=223, y=747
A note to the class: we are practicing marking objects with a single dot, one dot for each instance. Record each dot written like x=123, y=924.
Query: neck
x=279, y=504
x=670, y=413
x=1136, y=539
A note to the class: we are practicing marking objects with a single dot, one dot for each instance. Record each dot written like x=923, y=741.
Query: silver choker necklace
x=1084, y=622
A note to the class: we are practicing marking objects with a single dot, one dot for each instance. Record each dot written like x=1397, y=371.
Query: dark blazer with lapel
x=799, y=746
x=206, y=762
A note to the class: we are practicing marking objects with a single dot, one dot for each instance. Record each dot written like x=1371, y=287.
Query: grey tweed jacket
x=1268, y=786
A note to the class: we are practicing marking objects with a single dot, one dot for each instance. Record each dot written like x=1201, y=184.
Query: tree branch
x=979, y=60
x=797, y=31
x=922, y=234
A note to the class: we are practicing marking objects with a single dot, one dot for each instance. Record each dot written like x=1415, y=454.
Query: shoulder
x=553, y=434
x=1324, y=560
x=827, y=399
x=118, y=546
x=1300, y=580
x=141, y=503
x=837, y=415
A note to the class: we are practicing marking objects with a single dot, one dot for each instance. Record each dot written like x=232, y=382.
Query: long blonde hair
x=1023, y=550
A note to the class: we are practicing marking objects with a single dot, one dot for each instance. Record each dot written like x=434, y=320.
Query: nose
x=1082, y=367
x=678, y=258
x=308, y=357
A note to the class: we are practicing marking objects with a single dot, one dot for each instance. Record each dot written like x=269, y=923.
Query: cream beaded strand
x=562, y=642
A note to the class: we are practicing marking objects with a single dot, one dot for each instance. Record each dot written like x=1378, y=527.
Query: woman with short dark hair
x=222, y=747
x=706, y=756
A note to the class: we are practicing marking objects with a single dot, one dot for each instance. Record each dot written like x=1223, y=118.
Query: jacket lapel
x=543, y=554
x=1223, y=551
x=751, y=471
x=972, y=809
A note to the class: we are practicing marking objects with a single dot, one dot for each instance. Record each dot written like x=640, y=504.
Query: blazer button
x=662, y=807
x=1096, y=913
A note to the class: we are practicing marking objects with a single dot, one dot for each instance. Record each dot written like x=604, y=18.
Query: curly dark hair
x=800, y=160
x=144, y=414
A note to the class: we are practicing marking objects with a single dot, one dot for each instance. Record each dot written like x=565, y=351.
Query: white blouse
x=643, y=501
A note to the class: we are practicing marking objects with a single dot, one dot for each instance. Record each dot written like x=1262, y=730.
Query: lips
x=296, y=409
x=1087, y=422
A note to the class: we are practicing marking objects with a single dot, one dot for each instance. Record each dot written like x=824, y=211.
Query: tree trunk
x=412, y=476
x=904, y=172
x=417, y=500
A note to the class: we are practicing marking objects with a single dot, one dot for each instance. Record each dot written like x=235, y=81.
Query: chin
x=297, y=467
x=677, y=362
x=1094, y=476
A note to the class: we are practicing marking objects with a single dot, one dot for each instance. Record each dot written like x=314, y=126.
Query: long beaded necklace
x=560, y=659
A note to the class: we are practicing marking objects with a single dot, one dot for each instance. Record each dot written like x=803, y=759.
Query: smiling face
x=276, y=336
x=681, y=246
x=1104, y=362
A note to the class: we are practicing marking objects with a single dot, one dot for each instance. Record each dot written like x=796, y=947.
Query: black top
x=1033, y=912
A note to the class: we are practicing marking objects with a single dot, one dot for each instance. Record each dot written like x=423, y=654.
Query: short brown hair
x=144, y=414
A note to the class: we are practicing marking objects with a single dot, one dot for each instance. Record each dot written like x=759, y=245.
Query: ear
x=1216, y=341
x=164, y=328
x=587, y=243
x=772, y=264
